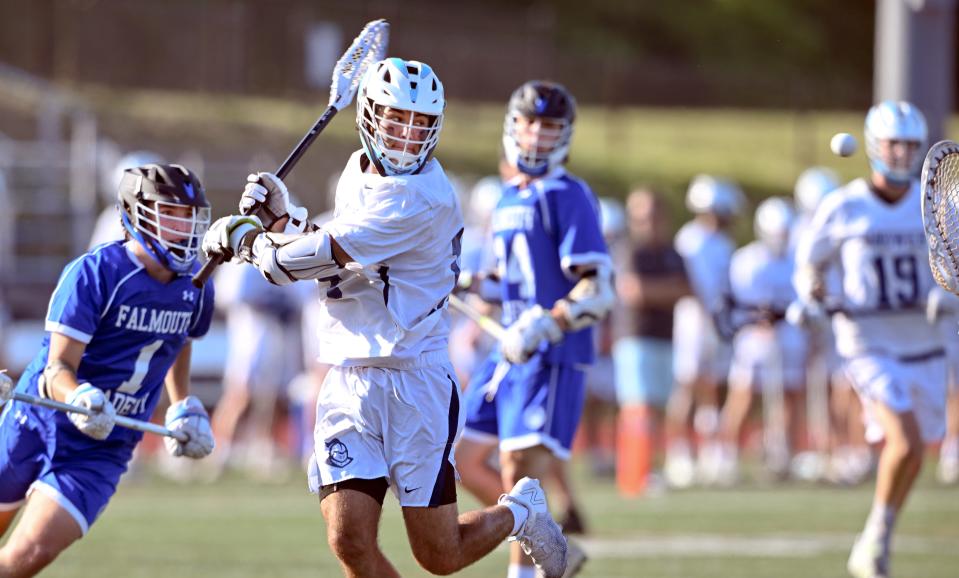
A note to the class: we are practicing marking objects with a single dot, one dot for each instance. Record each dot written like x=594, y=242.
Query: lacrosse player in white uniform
x=700, y=359
x=872, y=230
x=389, y=410
x=851, y=459
x=769, y=355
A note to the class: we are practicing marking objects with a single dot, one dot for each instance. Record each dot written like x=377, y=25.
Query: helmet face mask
x=538, y=127
x=896, y=135
x=400, y=115
x=164, y=208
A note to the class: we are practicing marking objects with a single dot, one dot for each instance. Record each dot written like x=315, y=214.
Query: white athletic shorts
x=697, y=348
x=755, y=350
x=917, y=385
x=394, y=423
x=601, y=379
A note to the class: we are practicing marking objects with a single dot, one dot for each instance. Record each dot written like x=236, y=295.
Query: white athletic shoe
x=575, y=559
x=948, y=471
x=540, y=537
x=679, y=470
x=869, y=558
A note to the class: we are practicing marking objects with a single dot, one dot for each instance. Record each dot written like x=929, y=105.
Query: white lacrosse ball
x=843, y=144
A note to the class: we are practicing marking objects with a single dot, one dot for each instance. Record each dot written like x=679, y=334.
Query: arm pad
x=589, y=301
x=283, y=259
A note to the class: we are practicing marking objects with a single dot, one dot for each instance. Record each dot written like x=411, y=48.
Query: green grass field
x=239, y=529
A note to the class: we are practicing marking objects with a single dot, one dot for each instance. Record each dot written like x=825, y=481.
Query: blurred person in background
x=597, y=429
x=942, y=309
x=850, y=458
x=120, y=325
x=872, y=229
x=108, y=226
x=554, y=273
x=262, y=358
x=701, y=358
x=651, y=278
x=769, y=355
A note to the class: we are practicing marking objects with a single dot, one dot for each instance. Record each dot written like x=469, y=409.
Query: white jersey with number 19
x=404, y=234
x=880, y=250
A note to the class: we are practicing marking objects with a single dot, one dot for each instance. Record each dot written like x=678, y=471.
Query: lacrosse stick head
x=368, y=47
x=940, y=212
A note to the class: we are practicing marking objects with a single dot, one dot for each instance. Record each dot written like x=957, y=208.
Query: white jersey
x=759, y=278
x=404, y=234
x=880, y=250
x=706, y=254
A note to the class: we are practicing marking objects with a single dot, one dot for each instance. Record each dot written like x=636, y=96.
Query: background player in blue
x=119, y=326
x=555, y=283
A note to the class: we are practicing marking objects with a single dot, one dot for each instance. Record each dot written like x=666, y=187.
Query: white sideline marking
x=784, y=546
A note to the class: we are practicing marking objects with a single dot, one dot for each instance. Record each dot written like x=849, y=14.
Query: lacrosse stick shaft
x=122, y=421
x=487, y=324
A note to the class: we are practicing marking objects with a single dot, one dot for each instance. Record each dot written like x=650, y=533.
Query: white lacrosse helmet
x=484, y=196
x=773, y=223
x=394, y=144
x=707, y=194
x=612, y=217
x=895, y=120
x=812, y=185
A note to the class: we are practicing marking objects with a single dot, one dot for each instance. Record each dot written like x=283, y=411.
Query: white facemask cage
x=546, y=148
x=400, y=147
x=180, y=237
x=895, y=121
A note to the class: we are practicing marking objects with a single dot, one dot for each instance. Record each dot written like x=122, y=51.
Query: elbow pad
x=283, y=259
x=589, y=301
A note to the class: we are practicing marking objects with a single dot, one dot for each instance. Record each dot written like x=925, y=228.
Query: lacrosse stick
x=368, y=47
x=486, y=323
x=122, y=421
x=940, y=212
x=495, y=330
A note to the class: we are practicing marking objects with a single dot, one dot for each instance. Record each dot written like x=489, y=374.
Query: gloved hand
x=267, y=197
x=100, y=424
x=226, y=233
x=524, y=337
x=189, y=416
x=6, y=387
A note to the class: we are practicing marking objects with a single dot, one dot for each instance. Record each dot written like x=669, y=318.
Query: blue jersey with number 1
x=134, y=327
x=542, y=231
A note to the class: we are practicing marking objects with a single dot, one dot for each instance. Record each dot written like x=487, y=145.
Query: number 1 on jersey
x=140, y=368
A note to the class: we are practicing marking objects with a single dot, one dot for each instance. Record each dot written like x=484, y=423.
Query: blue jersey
x=542, y=231
x=134, y=327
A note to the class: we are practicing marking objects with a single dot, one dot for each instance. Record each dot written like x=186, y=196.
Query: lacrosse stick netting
x=940, y=212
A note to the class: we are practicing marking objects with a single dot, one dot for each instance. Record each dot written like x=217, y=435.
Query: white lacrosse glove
x=590, y=300
x=806, y=314
x=189, y=416
x=226, y=235
x=100, y=424
x=267, y=197
x=6, y=387
x=524, y=337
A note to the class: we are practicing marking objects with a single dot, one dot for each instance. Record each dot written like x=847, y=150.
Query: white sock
x=881, y=519
x=520, y=514
x=949, y=448
x=517, y=571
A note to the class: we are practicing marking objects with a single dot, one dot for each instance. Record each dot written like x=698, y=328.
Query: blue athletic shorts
x=79, y=474
x=536, y=403
x=644, y=371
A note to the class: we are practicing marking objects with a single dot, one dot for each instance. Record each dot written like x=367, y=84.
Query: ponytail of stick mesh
x=940, y=212
x=368, y=47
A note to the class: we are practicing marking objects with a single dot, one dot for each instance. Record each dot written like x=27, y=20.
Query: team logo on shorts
x=336, y=454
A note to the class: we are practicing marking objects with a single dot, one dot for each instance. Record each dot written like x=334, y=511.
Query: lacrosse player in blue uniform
x=119, y=326
x=555, y=284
